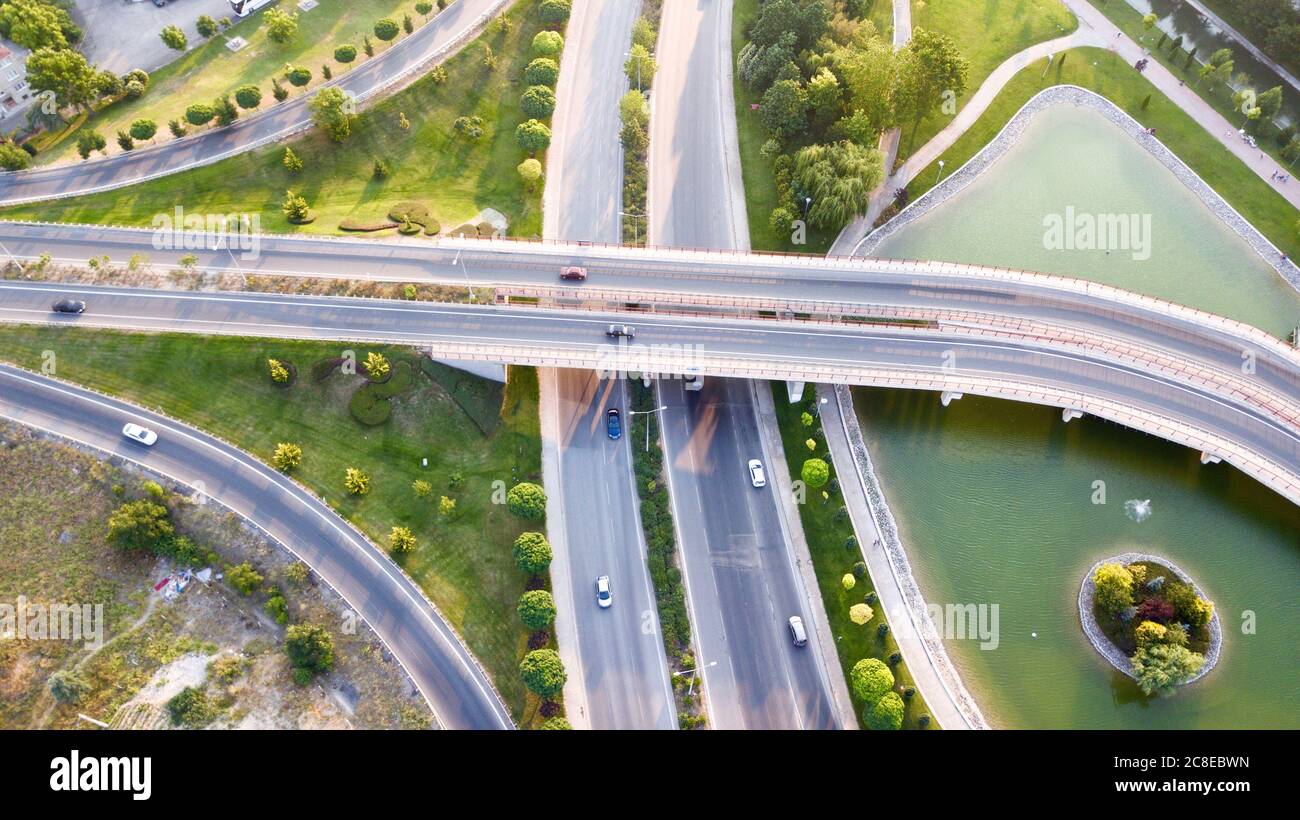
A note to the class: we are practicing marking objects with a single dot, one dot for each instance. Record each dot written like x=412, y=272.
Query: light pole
x=468, y=285
x=630, y=56
x=692, y=672
x=939, y=176
x=636, y=234
x=631, y=413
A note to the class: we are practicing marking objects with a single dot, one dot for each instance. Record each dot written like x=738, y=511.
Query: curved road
x=429, y=650
x=409, y=54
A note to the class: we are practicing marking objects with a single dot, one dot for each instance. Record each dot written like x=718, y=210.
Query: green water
x=995, y=499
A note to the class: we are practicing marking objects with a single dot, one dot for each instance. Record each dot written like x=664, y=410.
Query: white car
x=141, y=434
x=756, y=475
x=603, y=596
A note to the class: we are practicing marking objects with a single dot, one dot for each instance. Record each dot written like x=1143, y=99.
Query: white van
x=797, y=633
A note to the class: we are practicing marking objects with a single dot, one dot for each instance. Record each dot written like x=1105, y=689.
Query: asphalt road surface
x=408, y=53
x=444, y=670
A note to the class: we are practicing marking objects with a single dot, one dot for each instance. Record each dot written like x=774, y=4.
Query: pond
x=998, y=502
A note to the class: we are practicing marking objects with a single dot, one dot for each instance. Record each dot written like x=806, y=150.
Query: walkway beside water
x=873, y=525
x=1245, y=43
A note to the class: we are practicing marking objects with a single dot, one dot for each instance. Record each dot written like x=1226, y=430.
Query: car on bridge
x=621, y=331
x=574, y=273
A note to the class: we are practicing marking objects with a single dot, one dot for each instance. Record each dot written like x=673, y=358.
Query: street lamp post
x=939, y=176
x=636, y=234
x=690, y=687
x=631, y=413
x=468, y=283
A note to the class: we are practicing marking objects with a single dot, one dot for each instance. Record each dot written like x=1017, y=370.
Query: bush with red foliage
x=549, y=708
x=1155, y=609
x=539, y=639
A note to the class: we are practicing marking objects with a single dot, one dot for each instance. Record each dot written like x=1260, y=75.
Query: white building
x=15, y=94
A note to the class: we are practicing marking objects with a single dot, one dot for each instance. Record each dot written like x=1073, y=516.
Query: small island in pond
x=1150, y=621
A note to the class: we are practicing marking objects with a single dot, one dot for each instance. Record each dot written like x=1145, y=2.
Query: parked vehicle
x=143, y=435
x=797, y=633
x=243, y=8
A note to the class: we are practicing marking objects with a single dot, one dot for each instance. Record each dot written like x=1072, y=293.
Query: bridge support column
x=1069, y=414
x=949, y=396
x=1207, y=458
x=795, y=391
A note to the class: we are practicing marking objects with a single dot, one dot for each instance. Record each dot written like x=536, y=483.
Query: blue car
x=613, y=423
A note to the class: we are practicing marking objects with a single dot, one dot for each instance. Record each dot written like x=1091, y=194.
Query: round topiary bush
x=543, y=672
x=555, y=13
x=527, y=500
x=532, y=553
x=542, y=71
x=345, y=53
x=815, y=473
x=870, y=679
x=884, y=714
x=555, y=723
x=548, y=43
x=538, y=102
x=536, y=609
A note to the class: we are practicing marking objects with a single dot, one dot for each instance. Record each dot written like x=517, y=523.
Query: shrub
x=68, y=686
x=527, y=500
x=279, y=373
x=277, y=608
x=369, y=407
x=296, y=209
x=815, y=473
x=310, y=648
x=200, y=114
x=1155, y=609
x=143, y=129
x=140, y=525
x=446, y=507
x=278, y=91
x=848, y=581
x=298, y=75
x=345, y=53
x=380, y=170
x=191, y=708
x=292, y=161
x=548, y=43
x=88, y=141
x=376, y=366
x=248, y=96
x=356, y=482
x=297, y=573
x=1191, y=608
x=533, y=136
x=542, y=71
x=543, y=672
x=555, y=723
x=530, y=170
x=538, y=102
x=882, y=630
x=870, y=680
x=206, y=26
x=555, y=13
x=1161, y=667
x=1149, y=632
x=532, y=553
x=421, y=488
x=387, y=29
x=536, y=609
x=176, y=127
x=174, y=38
x=423, y=9
x=401, y=539
x=884, y=714
x=124, y=140
x=861, y=614
x=287, y=456
x=243, y=578
x=1114, y=588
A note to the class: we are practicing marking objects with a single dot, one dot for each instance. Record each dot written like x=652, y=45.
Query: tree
x=68, y=686
x=533, y=136
x=1149, y=632
x=538, y=102
x=244, y=579
x=548, y=43
x=367, y=46
x=640, y=67
x=542, y=71
x=298, y=76
x=174, y=38
x=401, y=539
x=376, y=366
x=870, y=679
x=1161, y=667
x=143, y=129
x=784, y=109
x=555, y=13
x=930, y=70
x=543, y=672
x=386, y=29
x=527, y=500
x=191, y=707
x=1113, y=588
x=758, y=64
x=309, y=647
x=1190, y=607
x=409, y=26
x=536, y=609
x=815, y=473
x=63, y=72
x=286, y=457
x=281, y=26
x=278, y=91
x=345, y=53
x=34, y=24
x=88, y=141
x=839, y=178
x=176, y=127
x=292, y=161
x=13, y=158
x=532, y=553
x=423, y=9
x=226, y=111
x=140, y=525
x=207, y=27
x=355, y=481
x=530, y=170
x=1148, y=20
x=248, y=96
x=471, y=128
x=1270, y=102
x=331, y=110
x=199, y=114
x=884, y=714
x=295, y=208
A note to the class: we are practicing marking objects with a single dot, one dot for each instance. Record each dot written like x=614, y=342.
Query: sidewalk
x=950, y=704
x=1246, y=43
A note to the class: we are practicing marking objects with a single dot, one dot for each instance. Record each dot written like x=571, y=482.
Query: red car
x=573, y=272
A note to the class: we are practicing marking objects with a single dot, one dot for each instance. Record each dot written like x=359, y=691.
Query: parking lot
x=124, y=34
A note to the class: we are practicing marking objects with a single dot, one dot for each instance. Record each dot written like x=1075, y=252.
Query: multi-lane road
x=449, y=677
x=405, y=57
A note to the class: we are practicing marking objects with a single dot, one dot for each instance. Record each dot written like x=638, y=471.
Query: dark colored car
x=68, y=306
x=620, y=331
x=574, y=273
x=613, y=423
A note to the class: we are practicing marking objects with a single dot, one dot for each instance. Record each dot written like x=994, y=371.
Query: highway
x=428, y=648
x=735, y=549
x=618, y=668
x=860, y=354
x=407, y=55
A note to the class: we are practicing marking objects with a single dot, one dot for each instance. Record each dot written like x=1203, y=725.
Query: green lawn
x=987, y=32
x=220, y=385
x=210, y=70
x=826, y=533
x=428, y=162
x=1105, y=73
